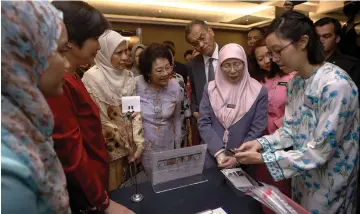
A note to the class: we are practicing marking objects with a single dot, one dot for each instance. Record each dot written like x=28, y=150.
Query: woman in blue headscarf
x=33, y=36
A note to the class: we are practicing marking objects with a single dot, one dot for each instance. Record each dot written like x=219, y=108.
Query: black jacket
x=181, y=69
x=197, y=76
x=348, y=63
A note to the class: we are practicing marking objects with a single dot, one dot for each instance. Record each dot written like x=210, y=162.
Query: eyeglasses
x=277, y=54
x=202, y=38
x=227, y=66
x=166, y=69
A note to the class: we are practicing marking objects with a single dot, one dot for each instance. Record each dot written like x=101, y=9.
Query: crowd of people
x=288, y=107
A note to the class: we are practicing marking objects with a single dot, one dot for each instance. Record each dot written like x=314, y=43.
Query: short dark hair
x=150, y=54
x=170, y=48
x=254, y=69
x=259, y=29
x=82, y=21
x=169, y=43
x=293, y=25
x=188, y=52
x=329, y=20
x=189, y=26
x=350, y=9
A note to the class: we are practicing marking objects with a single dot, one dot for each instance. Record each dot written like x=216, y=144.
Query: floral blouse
x=116, y=126
x=321, y=122
x=117, y=131
x=161, y=118
x=185, y=106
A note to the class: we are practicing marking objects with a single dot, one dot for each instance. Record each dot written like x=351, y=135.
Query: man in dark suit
x=179, y=68
x=201, y=69
x=328, y=29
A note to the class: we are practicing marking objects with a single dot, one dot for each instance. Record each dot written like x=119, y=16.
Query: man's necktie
x=211, y=74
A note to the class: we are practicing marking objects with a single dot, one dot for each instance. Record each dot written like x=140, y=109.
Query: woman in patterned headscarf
x=32, y=38
x=135, y=54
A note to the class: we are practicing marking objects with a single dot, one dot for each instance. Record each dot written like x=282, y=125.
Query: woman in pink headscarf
x=233, y=109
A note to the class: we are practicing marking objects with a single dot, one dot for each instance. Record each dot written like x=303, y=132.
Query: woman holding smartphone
x=321, y=122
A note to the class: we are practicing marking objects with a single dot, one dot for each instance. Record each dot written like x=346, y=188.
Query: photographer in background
x=347, y=44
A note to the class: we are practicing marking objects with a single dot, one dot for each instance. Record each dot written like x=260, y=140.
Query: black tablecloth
x=189, y=200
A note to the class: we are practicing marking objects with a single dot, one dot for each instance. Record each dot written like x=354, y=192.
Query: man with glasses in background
x=201, y=69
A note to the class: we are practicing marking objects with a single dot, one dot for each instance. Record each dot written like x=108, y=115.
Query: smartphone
x=229, y=152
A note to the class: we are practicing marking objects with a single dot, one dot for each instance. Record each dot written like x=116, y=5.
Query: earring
x=69, y=46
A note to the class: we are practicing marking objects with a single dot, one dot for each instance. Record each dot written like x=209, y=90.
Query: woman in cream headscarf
x=106, y=83
x=135, y=53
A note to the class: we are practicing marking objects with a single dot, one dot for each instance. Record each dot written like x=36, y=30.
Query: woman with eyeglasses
x=233, y=109
x=160, y=102
x=321, y=122
x=274, y=80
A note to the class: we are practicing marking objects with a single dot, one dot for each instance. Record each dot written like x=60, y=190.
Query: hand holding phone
x=230, y=152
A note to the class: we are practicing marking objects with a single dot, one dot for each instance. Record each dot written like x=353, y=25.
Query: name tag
x=231, y=106
x=282, y=83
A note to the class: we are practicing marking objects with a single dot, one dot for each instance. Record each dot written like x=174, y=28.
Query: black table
x=189, y=200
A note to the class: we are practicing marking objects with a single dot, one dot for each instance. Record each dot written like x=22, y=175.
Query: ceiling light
x=197, y=6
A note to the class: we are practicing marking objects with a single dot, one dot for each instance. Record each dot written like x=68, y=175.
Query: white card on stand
x=130, y=104
x=219, y=211
x=215, y=211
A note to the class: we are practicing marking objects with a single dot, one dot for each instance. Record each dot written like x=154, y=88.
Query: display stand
x=179, y=183
x=178, y=168
x=136, y=197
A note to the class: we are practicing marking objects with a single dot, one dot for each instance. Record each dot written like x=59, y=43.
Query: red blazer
x=80, y=146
